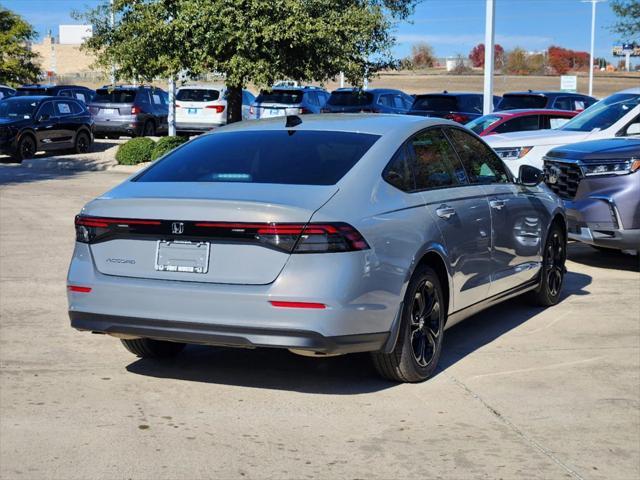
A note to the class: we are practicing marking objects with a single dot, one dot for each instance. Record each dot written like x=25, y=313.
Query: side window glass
x=313, y=98
x=80, y=96
x=530, y=122
x=63, y=109
x=563, y=103
x=76, y=108
x=398, y=102
x=435, y=164
x=481, y=164
x=65, y=93
x=157, y=98
x=398, y=172
x=46, y=109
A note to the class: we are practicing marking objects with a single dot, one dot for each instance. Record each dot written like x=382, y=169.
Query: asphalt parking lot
x=521, y=392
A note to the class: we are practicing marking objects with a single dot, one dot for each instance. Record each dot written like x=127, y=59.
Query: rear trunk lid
x=186, y=213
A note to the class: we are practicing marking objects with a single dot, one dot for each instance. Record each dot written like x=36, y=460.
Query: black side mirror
x=44, y=117
x=530, y=176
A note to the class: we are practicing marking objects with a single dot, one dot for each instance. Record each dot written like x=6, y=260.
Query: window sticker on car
x=557, y=122
x=64, y=108
x=156, y=99
x=80, y=96
x=579, y=105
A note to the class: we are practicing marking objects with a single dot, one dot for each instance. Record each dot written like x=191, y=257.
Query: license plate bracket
x=182, y=256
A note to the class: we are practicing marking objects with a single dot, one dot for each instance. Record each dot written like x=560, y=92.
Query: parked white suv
x=615, y=116
x=201, y=108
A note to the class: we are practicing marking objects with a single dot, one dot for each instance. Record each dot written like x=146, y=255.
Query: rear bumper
x=196, y=127
x=360, y=307
x=224, y=335
x=117, y=126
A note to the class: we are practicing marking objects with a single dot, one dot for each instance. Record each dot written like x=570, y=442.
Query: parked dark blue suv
x=374, y=100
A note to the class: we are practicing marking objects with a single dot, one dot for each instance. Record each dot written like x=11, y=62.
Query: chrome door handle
x=497, y=204
x=445, y=211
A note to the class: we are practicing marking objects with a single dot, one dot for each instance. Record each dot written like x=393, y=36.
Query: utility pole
x=593, y=40
x=341, y=79
x=489, y=49
x=113, y=65
x=172, y=105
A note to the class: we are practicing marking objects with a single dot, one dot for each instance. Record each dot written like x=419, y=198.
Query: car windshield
x=288, y=97
x=480, y=124
x=197, y=95
x=603, y=114
x=350, y=99
x=15, y=108
x=440, y=103
x=270, y=156
x=104, y=95
x=513, y=102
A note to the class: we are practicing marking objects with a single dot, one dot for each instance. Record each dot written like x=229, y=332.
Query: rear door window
x=519, y=124
x=197, y=95
x=63, y=109
x=303, y=157
x=65, y=93
x=480, y=163
x=435, y=164
x=554, y=122
x=47, y=109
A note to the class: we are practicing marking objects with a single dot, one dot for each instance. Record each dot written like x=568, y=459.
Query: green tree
x=18, y=64
x=248, y=41
x=628, y=13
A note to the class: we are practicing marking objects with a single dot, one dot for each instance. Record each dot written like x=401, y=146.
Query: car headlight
x=611, y=168
x=512, y=153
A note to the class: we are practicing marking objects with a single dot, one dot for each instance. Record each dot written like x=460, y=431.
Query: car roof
x=375, y=124
x=546, y=92
x=202, y=87
x=30, y=97
x=368, y=90
x=49, y=87
x=446, y=93
x=630, y=90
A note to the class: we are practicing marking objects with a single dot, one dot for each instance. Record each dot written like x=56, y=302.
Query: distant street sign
x=569, y=83
x=630, y=49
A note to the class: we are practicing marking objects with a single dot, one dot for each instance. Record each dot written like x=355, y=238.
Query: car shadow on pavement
x=342, y=375
x=484, y=327
x=589, y=256
x=16, y=174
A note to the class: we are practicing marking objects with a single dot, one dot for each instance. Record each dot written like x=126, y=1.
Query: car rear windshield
x=513, y=102
x=350, y=99
x=17, y=109
x=287, y=97
x=22, y=91
x=103, y=95
x=438, y=103
x=197, y=95
x=270, y=156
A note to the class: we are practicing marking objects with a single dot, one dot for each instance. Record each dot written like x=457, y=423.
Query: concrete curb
x=80, y=165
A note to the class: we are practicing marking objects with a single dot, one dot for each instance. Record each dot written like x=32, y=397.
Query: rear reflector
x=319, y=306
x=79, y=289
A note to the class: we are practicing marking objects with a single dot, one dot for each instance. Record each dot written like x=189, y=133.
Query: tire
x=26, y=148
x=99, y=135
x=149, y=348
x=83, y=143
x=417, y=350
x=553, y=269
x=149, y=129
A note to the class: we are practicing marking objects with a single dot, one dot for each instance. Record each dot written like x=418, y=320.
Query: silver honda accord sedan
x=323, y=234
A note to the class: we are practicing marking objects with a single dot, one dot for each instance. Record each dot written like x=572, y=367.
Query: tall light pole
x=489, y=49
x=113, y=65
x=593, y=40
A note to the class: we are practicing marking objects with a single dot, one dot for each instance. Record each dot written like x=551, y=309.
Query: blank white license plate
x=108, y=111
x=181, y=256
x=274, y=112
x=192, y=111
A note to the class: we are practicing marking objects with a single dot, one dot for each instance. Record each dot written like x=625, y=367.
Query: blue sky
x=450, y=26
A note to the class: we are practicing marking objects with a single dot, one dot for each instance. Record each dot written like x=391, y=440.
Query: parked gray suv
x=599, y=182
x=129, y=110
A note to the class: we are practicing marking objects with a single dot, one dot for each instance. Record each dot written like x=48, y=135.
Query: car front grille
x=563, y=178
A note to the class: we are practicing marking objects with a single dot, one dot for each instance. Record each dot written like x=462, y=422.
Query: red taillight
x=303, y=111
x=251, y=110
x=457, y=117
x=297, y=304
x=178, y=106
x=135, y=110
x=88, y=228
x=217, y=108
x=79, y=289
